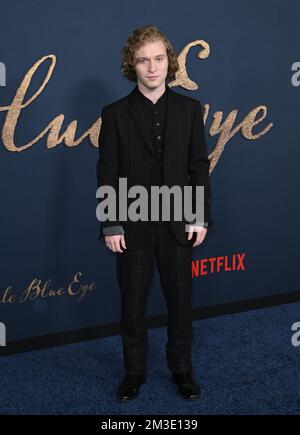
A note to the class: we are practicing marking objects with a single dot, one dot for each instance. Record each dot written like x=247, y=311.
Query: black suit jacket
x=126, y=151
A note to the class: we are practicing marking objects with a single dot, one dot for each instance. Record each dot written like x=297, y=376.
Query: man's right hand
x=114, y=243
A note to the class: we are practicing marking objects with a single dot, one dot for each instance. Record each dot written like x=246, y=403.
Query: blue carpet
x=244, y=362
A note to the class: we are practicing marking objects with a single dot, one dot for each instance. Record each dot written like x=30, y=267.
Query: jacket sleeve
x=108, y=167
x=198, y=165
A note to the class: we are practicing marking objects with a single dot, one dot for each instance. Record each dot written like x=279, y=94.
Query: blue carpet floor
x=244, y=362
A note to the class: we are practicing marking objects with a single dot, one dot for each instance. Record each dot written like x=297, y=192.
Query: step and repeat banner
x=59, y=65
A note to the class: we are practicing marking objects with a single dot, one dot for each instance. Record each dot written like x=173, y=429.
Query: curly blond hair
x=136, y=39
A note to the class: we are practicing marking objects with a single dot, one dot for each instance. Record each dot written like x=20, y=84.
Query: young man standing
x=153, y=137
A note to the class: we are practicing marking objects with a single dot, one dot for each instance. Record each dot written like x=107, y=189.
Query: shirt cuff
x=113, y=230
x=195, y=224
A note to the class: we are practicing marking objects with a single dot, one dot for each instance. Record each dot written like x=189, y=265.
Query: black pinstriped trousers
x=134, y=274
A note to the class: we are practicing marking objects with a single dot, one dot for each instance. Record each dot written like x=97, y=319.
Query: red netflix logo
x=225, y=263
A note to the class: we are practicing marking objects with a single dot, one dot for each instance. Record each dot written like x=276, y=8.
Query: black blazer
x=126, y=151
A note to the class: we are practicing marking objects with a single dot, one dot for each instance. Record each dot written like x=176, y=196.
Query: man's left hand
x=201, y=233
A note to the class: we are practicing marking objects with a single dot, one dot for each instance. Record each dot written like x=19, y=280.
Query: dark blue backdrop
x=48, y=224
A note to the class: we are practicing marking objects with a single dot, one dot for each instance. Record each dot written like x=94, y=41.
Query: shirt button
x=156, y=112
x=158, y=137
x=160, y=150
x=157, y=123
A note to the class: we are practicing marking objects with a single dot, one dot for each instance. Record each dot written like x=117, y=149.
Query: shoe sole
x=195, y=397
x=190, y=398
x=126, y=399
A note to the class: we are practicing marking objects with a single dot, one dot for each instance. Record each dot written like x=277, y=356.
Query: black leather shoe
x=187, y=386
x=129, y=387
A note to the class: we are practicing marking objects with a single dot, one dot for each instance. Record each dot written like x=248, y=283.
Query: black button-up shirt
x=155, y=114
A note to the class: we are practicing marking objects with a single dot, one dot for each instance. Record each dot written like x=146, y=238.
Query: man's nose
x=152, y=65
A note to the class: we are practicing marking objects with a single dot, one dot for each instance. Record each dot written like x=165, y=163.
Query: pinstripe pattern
x=150, y=146
x=134, y=274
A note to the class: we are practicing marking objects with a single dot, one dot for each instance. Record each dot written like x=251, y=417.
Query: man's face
x=152, y=64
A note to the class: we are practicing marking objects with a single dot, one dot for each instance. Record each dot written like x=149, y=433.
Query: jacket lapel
x=172, y=118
